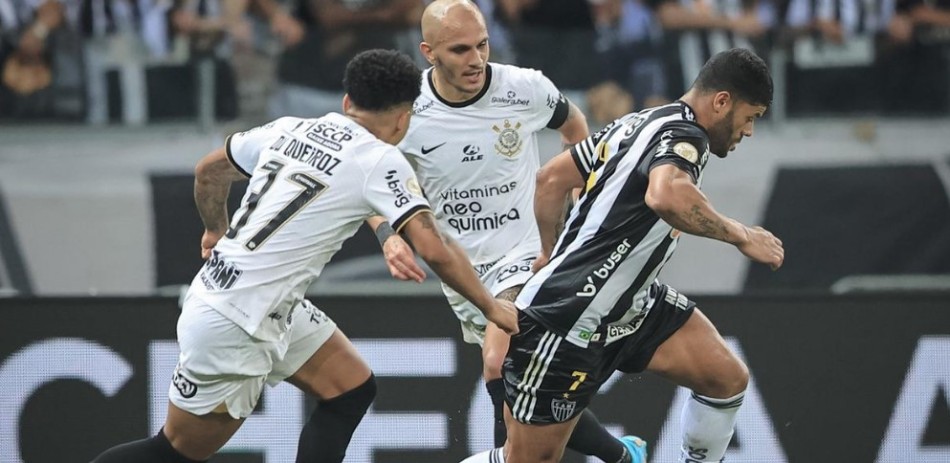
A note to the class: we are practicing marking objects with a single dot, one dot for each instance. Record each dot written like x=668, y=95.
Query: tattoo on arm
x=706, y=226
x=427, y=222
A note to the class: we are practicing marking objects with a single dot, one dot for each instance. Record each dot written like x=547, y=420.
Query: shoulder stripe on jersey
x=227, y=150
x=402, y=221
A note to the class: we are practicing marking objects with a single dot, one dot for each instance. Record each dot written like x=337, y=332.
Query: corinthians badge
x=509, y=140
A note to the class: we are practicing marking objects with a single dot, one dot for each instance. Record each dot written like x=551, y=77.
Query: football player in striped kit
x=595, y=307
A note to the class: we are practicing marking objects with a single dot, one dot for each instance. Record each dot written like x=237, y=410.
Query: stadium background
x=848, y=344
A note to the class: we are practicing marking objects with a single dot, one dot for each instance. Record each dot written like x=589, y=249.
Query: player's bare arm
x=400, y=258
x=449, y=261
x=213, y=177
x=555, y=181
x=676, y=199
x=575, y=126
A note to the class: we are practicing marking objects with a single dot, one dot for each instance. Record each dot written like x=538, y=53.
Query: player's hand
x=401, y=260
x=504, y=315
x=208, y=240
x=539, y=263
x=763, y=247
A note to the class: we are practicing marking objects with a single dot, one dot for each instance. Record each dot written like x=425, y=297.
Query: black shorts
x=549, y=380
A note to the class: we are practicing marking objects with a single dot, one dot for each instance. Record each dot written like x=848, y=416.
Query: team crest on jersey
x=509, y=140
x=562, y=409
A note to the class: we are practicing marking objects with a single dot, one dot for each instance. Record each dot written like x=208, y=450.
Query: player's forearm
x=688, y=210
x=457, y=272
x=549, y=203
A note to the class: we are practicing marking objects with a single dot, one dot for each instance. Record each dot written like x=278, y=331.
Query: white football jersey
x=477, y=160
x=312, y=184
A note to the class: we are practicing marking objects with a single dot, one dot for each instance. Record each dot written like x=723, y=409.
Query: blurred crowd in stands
x=135, y=61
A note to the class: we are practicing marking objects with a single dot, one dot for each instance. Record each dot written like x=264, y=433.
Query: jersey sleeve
x=392, y=190
x=552, y=107
x=244, y=148
x=684, y=145
x=584, y=152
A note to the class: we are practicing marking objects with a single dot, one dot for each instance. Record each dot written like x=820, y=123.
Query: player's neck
x=380, y=124
x=449, y=93
x=699, y=105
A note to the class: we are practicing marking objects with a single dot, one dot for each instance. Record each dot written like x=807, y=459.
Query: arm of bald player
x=400, y=259
x=574, y=129
x=449, y=261
x=556, y=180
x=213, y=177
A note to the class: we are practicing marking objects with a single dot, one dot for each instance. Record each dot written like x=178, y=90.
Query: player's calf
x=328, y=432
x=156, y=449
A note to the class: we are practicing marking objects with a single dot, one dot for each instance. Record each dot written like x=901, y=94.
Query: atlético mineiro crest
x=509, y=140
x=562, y=409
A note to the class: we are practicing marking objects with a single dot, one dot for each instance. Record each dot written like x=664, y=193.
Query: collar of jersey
x=468, y=102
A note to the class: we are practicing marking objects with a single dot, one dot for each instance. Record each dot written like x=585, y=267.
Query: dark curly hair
x=739, y=72
x=377, y=80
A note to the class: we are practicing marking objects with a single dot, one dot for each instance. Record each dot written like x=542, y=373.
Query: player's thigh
x=697, y=357
x=199, y=436
x=323, y=361
x=535, y=443
x=217, y=381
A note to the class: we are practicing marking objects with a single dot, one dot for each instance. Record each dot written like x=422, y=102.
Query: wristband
x=383, y=232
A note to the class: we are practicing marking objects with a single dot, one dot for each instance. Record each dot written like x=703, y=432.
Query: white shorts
x=221, y=363
x=514, y=269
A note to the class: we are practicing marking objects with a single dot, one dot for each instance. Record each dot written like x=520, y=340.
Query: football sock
x=590, y=438
x=156, y=449
x=328, y=432
x=496, y=390
x=708, y=424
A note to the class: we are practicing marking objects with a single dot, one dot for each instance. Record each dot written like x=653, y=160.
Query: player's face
x=461, y=56
x=739, y=122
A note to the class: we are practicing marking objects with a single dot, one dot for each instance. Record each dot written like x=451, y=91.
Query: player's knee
x=733, y=380
x=354, y=402
x=492, y=360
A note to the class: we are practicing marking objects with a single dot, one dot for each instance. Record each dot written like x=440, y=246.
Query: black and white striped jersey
x=613, y=245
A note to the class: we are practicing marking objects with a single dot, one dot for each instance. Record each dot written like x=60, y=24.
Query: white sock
x=488, y=456
x=708, y=425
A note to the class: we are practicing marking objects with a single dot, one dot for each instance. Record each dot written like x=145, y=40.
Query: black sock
x=327, y=434
x=496, y=390
x=590, y=438
x=156, y=449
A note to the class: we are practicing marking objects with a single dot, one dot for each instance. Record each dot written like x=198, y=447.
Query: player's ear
x=402, y=123
x=347, y=104
x=426, y=51
x=722, y=101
